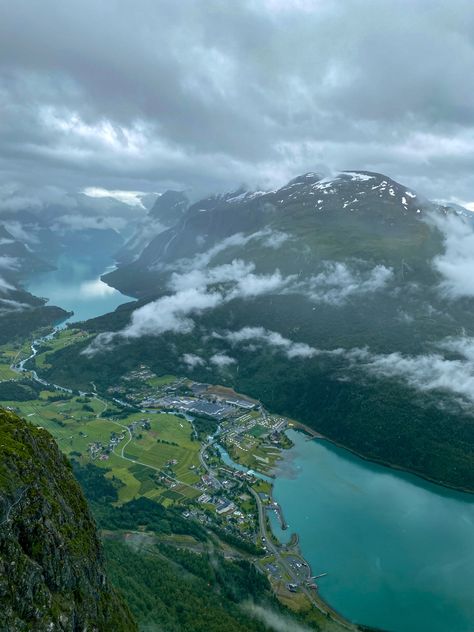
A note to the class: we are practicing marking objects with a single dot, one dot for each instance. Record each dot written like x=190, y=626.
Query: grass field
x=169, y=439
x=63, y=338
x=9, y=354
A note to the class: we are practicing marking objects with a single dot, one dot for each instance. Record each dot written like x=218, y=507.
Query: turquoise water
x=399, y=551
x=76, y=286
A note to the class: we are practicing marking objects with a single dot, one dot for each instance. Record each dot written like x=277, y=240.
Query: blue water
x=399, y=551
x=76, y=286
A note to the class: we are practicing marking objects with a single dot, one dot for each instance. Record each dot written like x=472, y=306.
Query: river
x=399, y=552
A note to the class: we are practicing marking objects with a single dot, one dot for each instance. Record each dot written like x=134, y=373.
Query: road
x=151, y=467
x=310, y=594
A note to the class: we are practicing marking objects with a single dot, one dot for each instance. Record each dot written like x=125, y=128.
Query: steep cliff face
x=52, y=574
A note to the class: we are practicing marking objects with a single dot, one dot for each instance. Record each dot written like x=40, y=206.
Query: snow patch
x=357, y=176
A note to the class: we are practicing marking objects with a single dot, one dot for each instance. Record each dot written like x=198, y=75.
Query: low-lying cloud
x=267, y=237
x=338, y=282
x=274, y=621
x=8, y=263
x=425, y=372
x=195, y=292
x=274, y=339
x=456, y=264
x=7, y=306
x=191, y=360
x=5, y=287
x=222, y=360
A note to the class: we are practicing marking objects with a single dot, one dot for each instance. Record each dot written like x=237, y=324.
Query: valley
x=214, y=401
x=222, y=459
x=173, y=458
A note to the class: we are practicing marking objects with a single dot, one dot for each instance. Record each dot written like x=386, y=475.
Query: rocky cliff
x=52, y=575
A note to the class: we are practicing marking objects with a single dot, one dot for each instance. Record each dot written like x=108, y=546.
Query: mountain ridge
x=52, y=567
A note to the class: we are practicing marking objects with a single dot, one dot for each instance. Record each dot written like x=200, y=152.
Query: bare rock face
x=52, y=571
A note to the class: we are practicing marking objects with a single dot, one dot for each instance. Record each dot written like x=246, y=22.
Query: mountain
x=343, y=302
x=166, y=212
x=318, y=217
x=52, y=569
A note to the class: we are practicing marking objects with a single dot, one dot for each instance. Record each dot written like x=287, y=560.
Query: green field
x=9, y=354
x=62, y=339
x=150, y=451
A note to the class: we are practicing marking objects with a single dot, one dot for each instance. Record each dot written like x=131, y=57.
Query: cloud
x=274, y=621
x=5, y=287
x=8, y=263
x=456, y=264
x=425, y=372
x=193, y=293
x=20, y=233
x=132, y=198
x=338, y=282
x=192, y=360
x=95, y=288
x=179, y=93
x=232, y=272
x=252, y=285
x=268, y=237
x=171, y=313
x=8, y=306
x=222, y=360
x=274, y=339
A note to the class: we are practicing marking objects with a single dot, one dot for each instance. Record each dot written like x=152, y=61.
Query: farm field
x=76, y=423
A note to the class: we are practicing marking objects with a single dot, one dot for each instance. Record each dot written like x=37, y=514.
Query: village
x=232, y=481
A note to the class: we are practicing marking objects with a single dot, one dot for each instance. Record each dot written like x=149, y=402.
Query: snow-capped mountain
x=354, y=206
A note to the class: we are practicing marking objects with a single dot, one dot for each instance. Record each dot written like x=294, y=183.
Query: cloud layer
x=186, y=94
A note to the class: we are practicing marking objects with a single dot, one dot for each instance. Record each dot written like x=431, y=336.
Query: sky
x=209, y=95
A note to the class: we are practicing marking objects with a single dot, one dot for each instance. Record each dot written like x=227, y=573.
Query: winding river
x=399, y=552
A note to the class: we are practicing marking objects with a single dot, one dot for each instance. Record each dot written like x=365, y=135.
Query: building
x=240, y=403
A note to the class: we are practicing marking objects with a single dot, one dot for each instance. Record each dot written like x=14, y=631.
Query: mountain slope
x=166, y=212
x=52, y=573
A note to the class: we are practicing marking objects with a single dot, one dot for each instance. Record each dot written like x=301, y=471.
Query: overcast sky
x=206, y=94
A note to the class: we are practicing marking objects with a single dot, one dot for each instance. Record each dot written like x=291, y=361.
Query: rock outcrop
x=52, y=570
